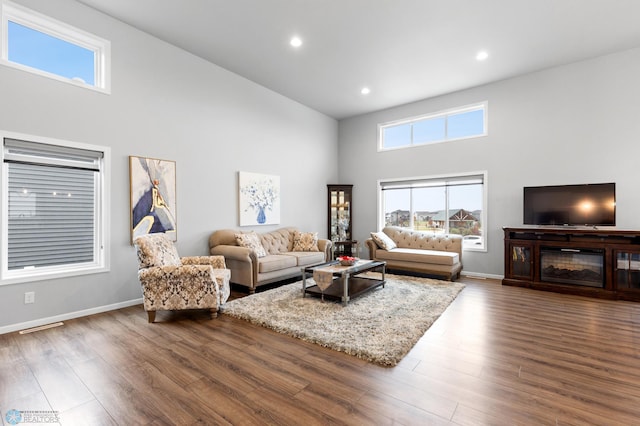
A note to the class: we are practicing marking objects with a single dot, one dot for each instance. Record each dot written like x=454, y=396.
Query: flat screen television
x=571, y=205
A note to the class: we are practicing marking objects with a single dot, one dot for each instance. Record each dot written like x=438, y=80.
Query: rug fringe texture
x=380, y=327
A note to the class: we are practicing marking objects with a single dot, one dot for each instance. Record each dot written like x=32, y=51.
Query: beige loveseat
x=417, y=251
x=280, y=262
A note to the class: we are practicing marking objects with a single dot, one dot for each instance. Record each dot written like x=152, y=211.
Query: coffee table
x=347, y=283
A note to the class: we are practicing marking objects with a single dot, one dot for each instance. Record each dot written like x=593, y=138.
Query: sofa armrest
x=162, y=287
x=372, y=246
x=325, y=246
x=241, y=254
x=242, y=262
x=216, y=261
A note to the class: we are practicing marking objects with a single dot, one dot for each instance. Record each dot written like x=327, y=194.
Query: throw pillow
x=251, y=240
x=383, y=241
x=305, y=241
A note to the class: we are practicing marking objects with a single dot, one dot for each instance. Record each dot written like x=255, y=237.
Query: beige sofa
x=280, y=262
x=417, y=251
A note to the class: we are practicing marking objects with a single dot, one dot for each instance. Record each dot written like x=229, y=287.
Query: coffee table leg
x=304, y=282
x=345, y=296
x=383, y=280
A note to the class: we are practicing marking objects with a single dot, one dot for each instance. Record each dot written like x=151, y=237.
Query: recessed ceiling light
x=365, y=91
x=482, y=55
x=296, y=42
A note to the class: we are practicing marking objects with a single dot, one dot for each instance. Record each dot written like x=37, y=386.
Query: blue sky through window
x=443, y=127
x=38, y=50
x=429, y=130
x=465, y=124
x=397, y=136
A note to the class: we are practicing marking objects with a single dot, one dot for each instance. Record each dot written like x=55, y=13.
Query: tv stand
x=584, y=261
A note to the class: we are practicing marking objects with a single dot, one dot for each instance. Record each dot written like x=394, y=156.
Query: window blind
x=432, y=182
x=51, y=204
x=20, y=151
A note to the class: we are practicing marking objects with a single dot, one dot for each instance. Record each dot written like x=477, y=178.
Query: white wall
x=572, y=124
x=168, y=104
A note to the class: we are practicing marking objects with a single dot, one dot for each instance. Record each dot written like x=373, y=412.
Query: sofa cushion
x=305, y=258
x=251, y=241
x=275, y=262
x=383, y=241
x=278, y=241
x=417, y=255
x=305, y=241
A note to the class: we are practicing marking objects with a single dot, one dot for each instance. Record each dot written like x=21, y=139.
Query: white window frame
x=444, y=177
x=101, y=262
x=484, y=106
x=102, y=48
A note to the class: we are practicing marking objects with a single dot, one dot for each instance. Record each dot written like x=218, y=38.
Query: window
x=461, y=123
x=442, y=204
x=36, y=43
x=53, y=208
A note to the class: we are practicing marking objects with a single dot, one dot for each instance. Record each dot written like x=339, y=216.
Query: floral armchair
x=170, y=282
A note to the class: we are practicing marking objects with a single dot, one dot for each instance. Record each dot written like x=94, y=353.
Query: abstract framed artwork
x=153, y=197
x=259, y=199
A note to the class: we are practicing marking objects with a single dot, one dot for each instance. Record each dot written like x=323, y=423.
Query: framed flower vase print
x=259, y=199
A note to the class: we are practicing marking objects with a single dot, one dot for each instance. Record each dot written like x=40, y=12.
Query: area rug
x=381, y=326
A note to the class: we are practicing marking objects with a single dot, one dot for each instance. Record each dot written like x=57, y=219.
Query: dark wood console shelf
x=602, y=263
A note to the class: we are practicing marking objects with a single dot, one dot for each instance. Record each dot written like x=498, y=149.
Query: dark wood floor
x=498, y=356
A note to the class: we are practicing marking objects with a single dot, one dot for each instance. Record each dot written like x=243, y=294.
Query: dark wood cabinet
x=626, y=271
x=587, y=262
x=340, y=220
x=520, y=260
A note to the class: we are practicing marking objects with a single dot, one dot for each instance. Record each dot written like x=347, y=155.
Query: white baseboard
x=43, y=321
x=481, y=275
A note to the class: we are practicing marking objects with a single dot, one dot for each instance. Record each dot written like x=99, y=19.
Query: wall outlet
x=30, y=297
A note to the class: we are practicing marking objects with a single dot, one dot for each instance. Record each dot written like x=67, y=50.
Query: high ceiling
x=403, y=50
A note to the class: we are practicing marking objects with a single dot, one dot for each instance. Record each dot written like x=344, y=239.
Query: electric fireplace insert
x=582, y=267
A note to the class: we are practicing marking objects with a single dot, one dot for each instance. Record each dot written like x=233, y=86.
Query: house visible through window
x=53, y=209
x=461, y=123
x=36, y=43
x=449, y=204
